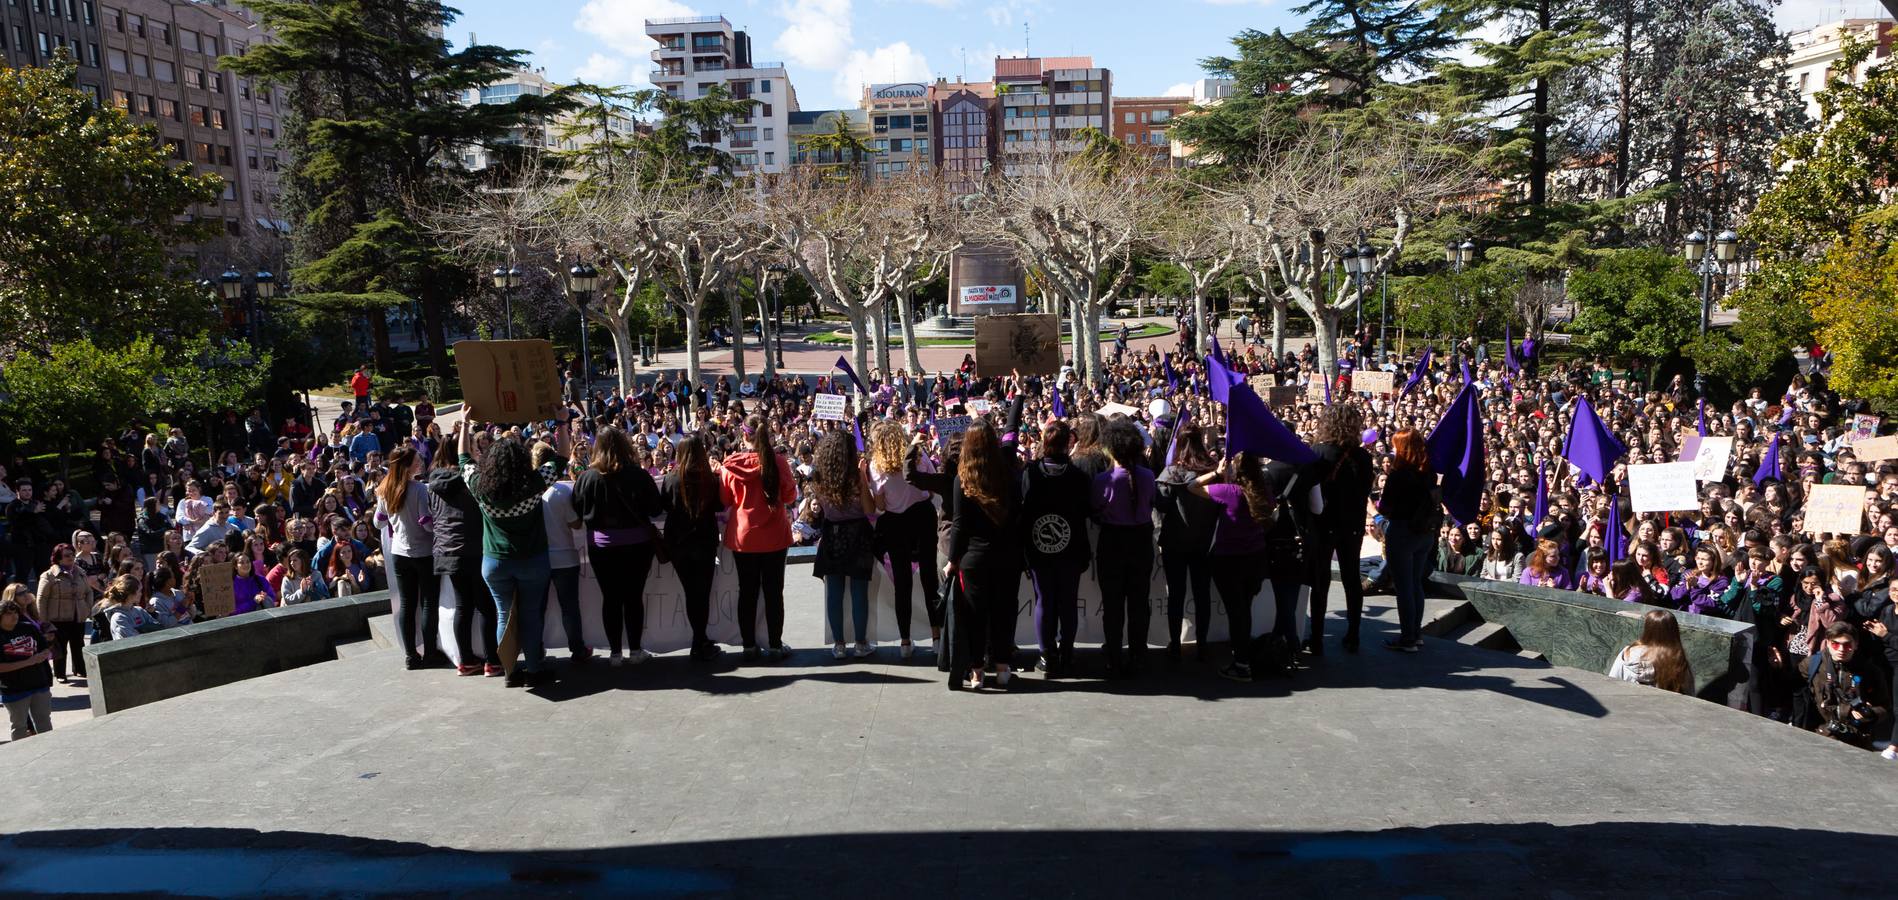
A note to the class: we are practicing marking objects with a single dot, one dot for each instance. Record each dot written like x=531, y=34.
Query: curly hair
x=1124, y=444
x=505, y=472
x=889, y=447
x=1341, y=425
x=835, y=466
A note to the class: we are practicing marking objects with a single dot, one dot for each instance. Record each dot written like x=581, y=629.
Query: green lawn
x=896, y=340
x=406, y=380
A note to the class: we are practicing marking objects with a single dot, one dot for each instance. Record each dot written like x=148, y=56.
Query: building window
x=203, y=152
x=1161, y=115
x=115, y=60
x=188, y=40
x=230, y=190
x=764, y=110
x=194, y=78
x=85, y=10
x=1130, y=118
x=267, y=126
x=231, y=228
x=217, y=119
x=121, y=101
x=163, y=71
x=46, y=45
x=175, y=147
x=769, y=133
x=141, y=66
x=270, y=164
x=161, y=33
x=92, y=55
x=223, y=155
x=250, y=125
x=200, y=116
x=168, y=109
x=770, y=158
x=250, y=160
x=210, y=46
x=136, y=24
x=764, y=85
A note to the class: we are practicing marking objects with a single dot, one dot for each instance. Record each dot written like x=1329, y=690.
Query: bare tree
x=1077, y=219
x=699, y=238
x=1202, y=233
x=1324, y=193
x=1259, y=274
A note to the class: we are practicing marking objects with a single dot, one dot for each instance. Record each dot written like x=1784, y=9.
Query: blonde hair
x=889, y=445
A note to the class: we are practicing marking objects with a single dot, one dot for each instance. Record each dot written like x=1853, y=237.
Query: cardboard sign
x=1664, y=487
x=949, y=428
x=828, y=407
x=1282, y=395
x=1864, y=428
x=509, y=381
x=1111, y=410
x=1315, y=391
x=1030, y=342
x=1835, y=508
x=1709, y=455
x=979, y=406
x=216, y=591
x=1876, y=448
x=1374, y=382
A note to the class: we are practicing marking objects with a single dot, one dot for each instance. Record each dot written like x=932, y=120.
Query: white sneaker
x=837, y=650
x=863, y=650
x=638, y=656
x=1890, y=753
x=616, y=660
x=907, y=650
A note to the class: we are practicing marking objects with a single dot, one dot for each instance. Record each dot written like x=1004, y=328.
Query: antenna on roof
x=1026, y=49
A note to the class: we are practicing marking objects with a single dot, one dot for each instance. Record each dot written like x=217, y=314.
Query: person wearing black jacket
x=1184, y=522
x=457, y=528
x=1344, y=473
x=1301, y=502
x=1414, y=515
x=689, y=497
x=32, y=531
x=1055, y=510
x=308, y=488
x=985, y=545
x=616, y=499
x=1873, y=606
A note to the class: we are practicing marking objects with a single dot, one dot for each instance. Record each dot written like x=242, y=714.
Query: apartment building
x=551, y=136
x=32, y=31
x=697, y=52
x=900, y=127
x=965, y=131
x=1044, y=102
x=1141, y=123
x=810, y=124
x=1815, y=50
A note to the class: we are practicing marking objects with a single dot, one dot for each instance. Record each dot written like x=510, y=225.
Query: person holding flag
x=1410, y=506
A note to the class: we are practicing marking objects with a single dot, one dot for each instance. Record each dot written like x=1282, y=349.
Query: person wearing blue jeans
x=846, y=546
x=519, y=587
x=859, y=606
x=507, y=485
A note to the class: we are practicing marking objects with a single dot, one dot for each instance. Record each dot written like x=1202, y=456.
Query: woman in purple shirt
x=1247, y=506
x=249, y=587
x=1123, y=505
x=1699, y=591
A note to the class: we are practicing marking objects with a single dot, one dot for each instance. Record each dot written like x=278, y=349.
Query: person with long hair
x=906, y=528
x=845, y=552
x=759, y=489
x=1123, y=505
x=250, y=588
x=616, y=499
x=1624, y=582
x=1413, y=513
x=1344, y=473
x=402, y=516
x=1055, y=508
x=123, y=615
x=559, y=521
x=1183, y=518
x=299, y=583
x=1247, y=505
x=1500, y=562
x=985, y=546
x=1656, y=658
x=1700, y=590
x=689, y=497
x=514, y=563
x=457, y=552
x=1545, y=566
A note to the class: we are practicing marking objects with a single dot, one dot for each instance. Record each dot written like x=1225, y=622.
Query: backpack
x=1271, y=655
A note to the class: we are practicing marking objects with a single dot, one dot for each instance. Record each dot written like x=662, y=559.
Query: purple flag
x=1509, y=351
x=856, y=424
x=1456, y=453
x=1591, y=446
x=1417, y=374
x=1173, y=436
x=1220, y=380
x=844, y=364
x=1542, y=494
x=1616, y=540
x=1769, y=464
x=1216, y=351
x=1528, y=351
x=1054, y=403
x=1786, y=414
x=1250, y=426
x=1467, y=379
x=1701, y=426
x=1166, y=366
x=1327, y=390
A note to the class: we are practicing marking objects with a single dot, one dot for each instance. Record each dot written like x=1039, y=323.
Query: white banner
x=829, y=407
x=988, y=295
x=1663, y=487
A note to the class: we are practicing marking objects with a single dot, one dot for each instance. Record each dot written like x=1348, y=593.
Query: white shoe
x=837, y=650
x=616, y=660
x=1890, y=753
x=863, y=650
x=638, y=656
x=907, y=650
x=930, y=648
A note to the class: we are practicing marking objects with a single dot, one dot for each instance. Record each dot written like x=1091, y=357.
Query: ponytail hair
x=758, y=431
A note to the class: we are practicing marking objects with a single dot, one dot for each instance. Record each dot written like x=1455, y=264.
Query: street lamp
x=1726, y=247
x=505, y=281
x=778, y=271
x=581, y=280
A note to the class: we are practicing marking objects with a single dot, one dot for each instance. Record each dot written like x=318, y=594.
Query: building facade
x=965, y=139
x=697, y=52
x=1044, y=102
x=33, y=31
x=1141, y=123
x=808, y=125
x=551, y=136
x=901, y=129
x=1815, y=50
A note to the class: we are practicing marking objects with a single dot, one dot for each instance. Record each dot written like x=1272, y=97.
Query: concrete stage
x=1454, y=772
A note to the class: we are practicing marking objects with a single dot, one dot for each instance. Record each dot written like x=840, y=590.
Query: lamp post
x=231, y=285
x=778, y=271
x=581, y=280
x=1360, y=263
x=1458, y=255
x=506, y=280
x=1726, y=246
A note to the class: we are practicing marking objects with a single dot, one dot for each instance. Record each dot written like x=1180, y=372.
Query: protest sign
x=1709, y=455
x=949, y=428
x=509, y=381
x=978, y=406
x=1876, y=448
x=1663, y=487
x=1864, y=428
x=1030, y=343
x=1835, y=508
x=828, y=407
x=215, y=589
x=1315, y=391
x=1282, y=395
x=1374, y=382
x=1111, y=410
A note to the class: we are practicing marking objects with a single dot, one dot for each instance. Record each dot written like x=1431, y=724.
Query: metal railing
x=687, y=20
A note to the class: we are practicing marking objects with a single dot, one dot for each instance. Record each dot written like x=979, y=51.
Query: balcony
x=1066, y=98
x=767, y=64
x=739, y=144
x=690, y=20
x=658, y=75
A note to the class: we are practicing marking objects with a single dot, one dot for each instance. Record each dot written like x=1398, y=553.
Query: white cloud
x=603, y=69
x=818, y=35
x=999, y=16
x=1183, y=89
x=895, y=62
x=622, y=23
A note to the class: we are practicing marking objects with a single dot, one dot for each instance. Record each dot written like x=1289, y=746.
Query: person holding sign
x=759, y=488
x=514, y=543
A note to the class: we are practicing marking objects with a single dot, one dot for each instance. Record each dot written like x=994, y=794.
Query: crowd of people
x=976, y=481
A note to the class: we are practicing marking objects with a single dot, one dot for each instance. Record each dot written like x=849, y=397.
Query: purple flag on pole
x=857, y=424
x=1616, y=540
x=1456, y=453
x=1591, y=446
x=1250, y=426
x=1509, y=351
x=1220, y=380
x=1542, y=494
x=1173, y=436
x=1528, y=351
x=1327, y=390
x=1166, y=366
x=1467, y=379
x=1054, y=403
x=1217, y=354
x=1769, y=464
x=844, y=364
x=1786, y=414
x=1417, y=374
x=1701, y=426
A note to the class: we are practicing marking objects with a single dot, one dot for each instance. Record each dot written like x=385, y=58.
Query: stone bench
x=1585, y=631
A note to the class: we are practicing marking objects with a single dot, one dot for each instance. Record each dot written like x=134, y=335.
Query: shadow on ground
x=1453, y=860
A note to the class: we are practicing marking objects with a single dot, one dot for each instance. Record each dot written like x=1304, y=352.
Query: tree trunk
x=1539, y=125
x=906, y=320
x=766, y=328
x=737, y=311
x=859, y=341
x=1076, y=327
x=1325, y=322
x=692, y=348
x=1199, y=310
x=1095, y=369
x=379, y=331
x=1278, y=328
x=883, y=337
x=435, y=331
x=1624, y=106
x=624, y=348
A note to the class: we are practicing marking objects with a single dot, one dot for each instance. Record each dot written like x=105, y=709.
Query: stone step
x=1443, y=617
x=383, y=632
x=1487, y=635
x=1534, y=655
x=347, y=649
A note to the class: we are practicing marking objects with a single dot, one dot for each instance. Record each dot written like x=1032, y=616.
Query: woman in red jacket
x=760, y=491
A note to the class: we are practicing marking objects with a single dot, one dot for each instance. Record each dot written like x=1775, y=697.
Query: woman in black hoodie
x=1184, y=522
x=1055, y=510
x=457, y=527
x=690, y=498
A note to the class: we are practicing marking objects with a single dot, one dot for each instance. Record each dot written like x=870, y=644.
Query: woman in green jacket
x=514, y=563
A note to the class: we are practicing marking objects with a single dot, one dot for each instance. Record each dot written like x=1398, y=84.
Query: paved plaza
x=1453, y=772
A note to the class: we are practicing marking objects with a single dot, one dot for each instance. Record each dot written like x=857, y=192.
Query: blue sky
x=834, y=46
